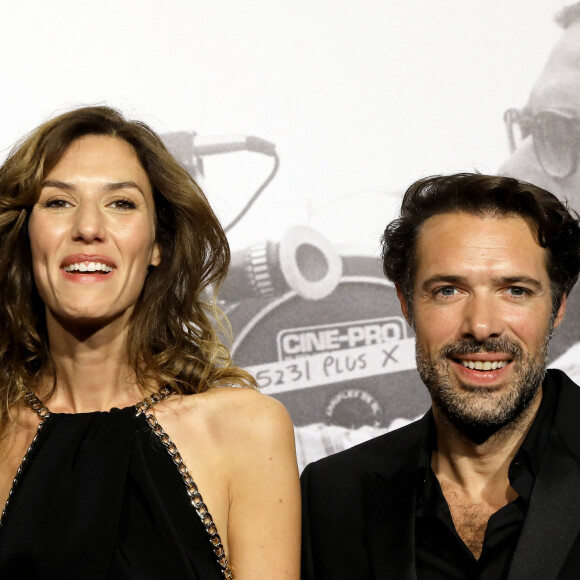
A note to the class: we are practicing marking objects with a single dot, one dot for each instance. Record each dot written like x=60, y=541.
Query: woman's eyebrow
x=113, y=186
x=122, y=185
x=59, y=184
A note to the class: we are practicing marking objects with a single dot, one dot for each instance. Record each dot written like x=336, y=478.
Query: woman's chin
x=87, y=316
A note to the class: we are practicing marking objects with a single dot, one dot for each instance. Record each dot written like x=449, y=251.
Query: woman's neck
x=92, y=369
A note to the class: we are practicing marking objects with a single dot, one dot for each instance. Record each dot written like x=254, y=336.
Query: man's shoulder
x=568, y=409
x=391, y=448
x=561, y=379
x=568, y=394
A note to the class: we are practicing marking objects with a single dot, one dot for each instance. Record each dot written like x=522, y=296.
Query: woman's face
x=92, y=232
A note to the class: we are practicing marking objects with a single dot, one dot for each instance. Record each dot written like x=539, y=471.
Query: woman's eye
x=122, y=204
x=57, y=203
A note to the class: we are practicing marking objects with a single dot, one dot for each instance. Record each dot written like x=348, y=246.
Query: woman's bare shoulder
x=231, y=412
x=242, y=402
x=242, y=445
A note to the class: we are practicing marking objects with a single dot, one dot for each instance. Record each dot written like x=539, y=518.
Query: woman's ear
x=155, y=255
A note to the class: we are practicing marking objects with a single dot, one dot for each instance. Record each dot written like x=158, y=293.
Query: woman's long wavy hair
x=174, y=332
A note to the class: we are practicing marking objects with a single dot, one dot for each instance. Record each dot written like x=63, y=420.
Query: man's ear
x=561, y=311
x=404, y=305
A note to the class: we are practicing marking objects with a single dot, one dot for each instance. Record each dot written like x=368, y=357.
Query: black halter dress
x=99, y=497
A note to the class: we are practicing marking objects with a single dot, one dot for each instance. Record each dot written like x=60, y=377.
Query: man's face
x=482, y=314
x=556, y=90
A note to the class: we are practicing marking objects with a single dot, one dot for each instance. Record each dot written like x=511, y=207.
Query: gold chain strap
x=195, y=497
x=153, y=399
x=38, y=407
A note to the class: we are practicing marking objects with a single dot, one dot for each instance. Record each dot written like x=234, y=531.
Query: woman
x=110, y=364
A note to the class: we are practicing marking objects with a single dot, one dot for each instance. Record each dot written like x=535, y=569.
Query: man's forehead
x=463, y=237
x=558, y=86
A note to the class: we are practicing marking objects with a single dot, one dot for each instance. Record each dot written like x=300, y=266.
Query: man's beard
x=479, y=412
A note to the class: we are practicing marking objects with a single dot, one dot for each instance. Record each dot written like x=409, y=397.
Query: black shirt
x=440, y=554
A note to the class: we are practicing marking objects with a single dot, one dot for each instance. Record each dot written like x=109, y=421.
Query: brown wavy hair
x=175, y=329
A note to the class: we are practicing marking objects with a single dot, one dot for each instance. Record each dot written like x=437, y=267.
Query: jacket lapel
x=390, y=496
x=390, y=526
x=552, y=523
x=553, y=519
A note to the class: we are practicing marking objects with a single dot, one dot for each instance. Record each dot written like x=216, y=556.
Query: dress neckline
x=38, y=407
x=142, y=408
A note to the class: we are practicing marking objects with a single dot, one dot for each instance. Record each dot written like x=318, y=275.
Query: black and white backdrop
x=327, y=110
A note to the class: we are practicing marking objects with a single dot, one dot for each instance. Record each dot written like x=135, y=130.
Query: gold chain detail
x=38, y=407
x=153, y=399
x=142, y=407
x=195, y=497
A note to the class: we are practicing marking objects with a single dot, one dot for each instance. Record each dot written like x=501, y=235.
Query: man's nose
x=482, y=318
x=88, y=223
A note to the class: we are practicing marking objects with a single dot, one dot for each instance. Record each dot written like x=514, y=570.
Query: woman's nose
x=88, y=224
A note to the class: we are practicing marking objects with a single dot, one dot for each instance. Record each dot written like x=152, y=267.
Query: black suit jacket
x=359, y=506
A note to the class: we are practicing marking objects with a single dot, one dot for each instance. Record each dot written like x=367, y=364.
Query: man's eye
x=447, y=291
x=518, y=291
x=122, y=204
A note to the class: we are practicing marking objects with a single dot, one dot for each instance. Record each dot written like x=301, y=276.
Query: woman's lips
x=87, y=277
x=86, y=259
x=87, y=268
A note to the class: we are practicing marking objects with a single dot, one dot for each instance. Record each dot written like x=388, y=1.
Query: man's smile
x=484, y=366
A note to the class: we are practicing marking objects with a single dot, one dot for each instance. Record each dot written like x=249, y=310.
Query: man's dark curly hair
x=557, y=226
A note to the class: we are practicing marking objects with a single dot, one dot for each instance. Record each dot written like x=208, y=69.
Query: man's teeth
x=479, y=365
x=88, y=267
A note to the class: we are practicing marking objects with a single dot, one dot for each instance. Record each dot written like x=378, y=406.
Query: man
x=487, y=484
x=545, y=143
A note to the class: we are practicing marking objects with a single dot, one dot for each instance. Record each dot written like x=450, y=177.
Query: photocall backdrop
x=304, y=122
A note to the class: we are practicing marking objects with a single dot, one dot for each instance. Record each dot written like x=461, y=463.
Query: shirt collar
x=526, y=463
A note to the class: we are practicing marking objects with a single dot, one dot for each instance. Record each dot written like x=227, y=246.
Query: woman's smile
x=92, y=231
x=87, y=269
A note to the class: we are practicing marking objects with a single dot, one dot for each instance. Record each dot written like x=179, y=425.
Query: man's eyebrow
x=508, y=280
x=518, y=280
x=114, y=186
x=443, y=278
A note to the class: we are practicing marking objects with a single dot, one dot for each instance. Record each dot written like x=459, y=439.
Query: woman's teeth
x=88, y=267
x=479, y=365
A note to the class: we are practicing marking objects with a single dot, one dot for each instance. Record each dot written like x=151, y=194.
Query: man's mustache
x=472, y=346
